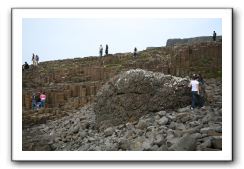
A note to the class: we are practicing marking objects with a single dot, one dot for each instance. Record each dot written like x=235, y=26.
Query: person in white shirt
x=101, y=50
x=194, y=84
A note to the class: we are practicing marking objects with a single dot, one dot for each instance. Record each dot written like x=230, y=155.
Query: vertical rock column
x=83, y=100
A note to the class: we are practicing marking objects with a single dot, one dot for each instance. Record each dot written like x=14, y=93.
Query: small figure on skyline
x=214, y=36
x=33, y=59
x=135, y=52
x=37, y=59
x=106, y=49
x=101, y=50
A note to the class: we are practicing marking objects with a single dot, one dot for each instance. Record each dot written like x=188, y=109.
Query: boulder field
x=136, y=110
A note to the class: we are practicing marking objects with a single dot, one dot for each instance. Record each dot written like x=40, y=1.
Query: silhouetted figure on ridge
x=37, y=59
x=106, y=50
x=214, y=36
x=135, y=52
x=33, y=59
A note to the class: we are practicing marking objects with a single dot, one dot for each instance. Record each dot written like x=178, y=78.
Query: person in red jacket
x=43, y=99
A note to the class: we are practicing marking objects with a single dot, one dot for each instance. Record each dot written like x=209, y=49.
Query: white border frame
x=18, y=155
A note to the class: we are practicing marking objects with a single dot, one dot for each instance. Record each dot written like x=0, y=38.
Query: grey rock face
x=186, y=143
x=135, y=93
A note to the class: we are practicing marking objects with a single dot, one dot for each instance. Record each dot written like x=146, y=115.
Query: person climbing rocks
x=135, y=52
x=194, y=84
x=214, y=36
x=106, y=49
x=43, y=99
x=101, y=50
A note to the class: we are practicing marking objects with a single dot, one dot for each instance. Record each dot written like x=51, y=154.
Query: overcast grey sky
x=54, y=39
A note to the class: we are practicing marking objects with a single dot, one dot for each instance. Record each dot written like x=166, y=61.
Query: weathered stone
x=159, y=140
x=76, y=129
x=135, y=93
x=196, y=135
x=124, y=144
x=154, y=148
x=163, y=121
x=129, y=134
x=214, y=133
x=217, y=142
x=146, y=145
x=206, y=130
x=130, y=126
x=186, y=143
x=136, y=146
x=83, y=134
x=172, y=125
x=142, y=124
x=109, y=131
x=161, y=113
x=194, y=123
x=180, y=126
x=184, y=109
x=171, y=139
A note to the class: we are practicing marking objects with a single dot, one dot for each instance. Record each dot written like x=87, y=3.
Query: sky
x=54, y=39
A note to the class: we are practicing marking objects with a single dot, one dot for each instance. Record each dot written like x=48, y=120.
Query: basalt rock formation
x=166, y=130
x=78, y=80
x=147, y=111
x=134, y=93
x=173, y=42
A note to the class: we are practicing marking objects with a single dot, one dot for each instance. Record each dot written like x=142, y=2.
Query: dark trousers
x=194, y=100
x=197, y=100
x=201, y=100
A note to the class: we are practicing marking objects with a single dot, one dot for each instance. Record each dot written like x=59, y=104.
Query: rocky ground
x=181, y=129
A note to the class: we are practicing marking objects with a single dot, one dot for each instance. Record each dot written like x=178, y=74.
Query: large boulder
x=134, y=93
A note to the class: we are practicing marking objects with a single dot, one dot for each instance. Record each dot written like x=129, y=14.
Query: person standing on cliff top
x=33, y=59
x=101, y=50
x=106, y=49
x=194, y=84
x=37, y=59
x=135, y=52
x=214, y=36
